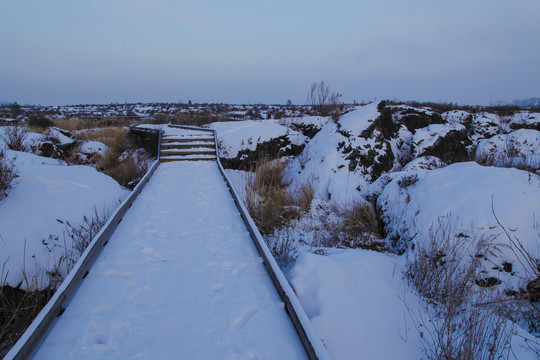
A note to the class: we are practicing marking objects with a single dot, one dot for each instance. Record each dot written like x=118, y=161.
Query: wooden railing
x=55, y=307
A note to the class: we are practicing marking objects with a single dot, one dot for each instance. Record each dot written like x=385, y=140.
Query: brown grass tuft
x=270, y=204
x=18, y=308
x=125, y=171
x=464, y=320
x=8, y=173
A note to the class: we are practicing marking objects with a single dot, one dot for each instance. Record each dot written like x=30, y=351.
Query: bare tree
x=323, y=100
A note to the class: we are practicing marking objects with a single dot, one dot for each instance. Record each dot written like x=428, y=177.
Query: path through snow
x=180, y=278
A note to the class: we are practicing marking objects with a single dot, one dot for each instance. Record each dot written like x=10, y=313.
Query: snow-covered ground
x=357, y=304
x=45, y=193
x=414, y=164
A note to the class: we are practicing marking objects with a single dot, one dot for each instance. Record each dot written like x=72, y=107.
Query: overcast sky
x=249, y=51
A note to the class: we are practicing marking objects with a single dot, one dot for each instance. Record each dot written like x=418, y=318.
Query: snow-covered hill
x=46, y=195
x=418, y=168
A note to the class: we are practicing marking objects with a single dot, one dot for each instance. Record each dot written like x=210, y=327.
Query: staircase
x=199, y=146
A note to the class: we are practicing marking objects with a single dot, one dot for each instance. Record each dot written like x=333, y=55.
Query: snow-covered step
x=188, y=146
x=187, y=151
x=192, y=157
x=181, y=145
x=180, y=139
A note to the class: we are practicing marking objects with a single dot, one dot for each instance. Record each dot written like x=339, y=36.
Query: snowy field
x=418, y=171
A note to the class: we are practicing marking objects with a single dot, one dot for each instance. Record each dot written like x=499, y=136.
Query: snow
x=47, y=190
x=455, y=116
x=234, y=136
x=358, y=120
x=317, y=121
x=426, y=137
x=180, y=278
x=462, y=194
x=61, y=138
x=93, y=147
x=209, y=279
x=518, y=148
x=353, y=300
x=526, y=117
x=30, y=138
x=323, y=166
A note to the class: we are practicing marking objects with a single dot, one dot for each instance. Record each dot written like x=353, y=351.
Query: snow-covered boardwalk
x=179, y=279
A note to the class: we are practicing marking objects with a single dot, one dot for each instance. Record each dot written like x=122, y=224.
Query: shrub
x=86, y=123
x=325, y=102
x=83, y=233
x=8, y=173
x=282, y=247
x=39, y=122
x=464, y=320
x=359, y=227
x=14, y=137
x=407, y=181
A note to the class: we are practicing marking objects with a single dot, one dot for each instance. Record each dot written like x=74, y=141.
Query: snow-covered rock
x=460, y=197
x=520, y=148
x=233, y=137
x=93, y=148
x=426, y=138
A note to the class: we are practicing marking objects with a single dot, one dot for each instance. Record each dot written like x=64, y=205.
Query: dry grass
x=125, y=171
x=511, y=156
x=14, y=137
x=8, y=173
x=464, y=320
x=273, y=207
x=270, y=204
x=283, y=248
x=82, y=124
x=357, y=227
x=18, y=308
